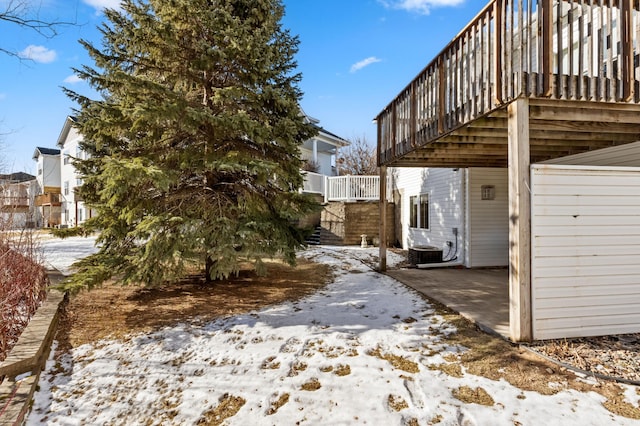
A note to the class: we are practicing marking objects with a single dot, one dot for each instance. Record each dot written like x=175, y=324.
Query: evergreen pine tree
x=194, y=146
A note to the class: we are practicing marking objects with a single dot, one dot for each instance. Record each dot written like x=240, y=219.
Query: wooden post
x=497, y=51
x=413, y=114
x=519, y=222
x=441, y=95
x=383, y=218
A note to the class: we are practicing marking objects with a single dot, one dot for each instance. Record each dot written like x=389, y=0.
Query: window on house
x=80, y=215
x=66, y=187
x=39, y=170
x=413, y=212
x=424, y=211
x=419, y=211
x=67, y=159
x=78, y=182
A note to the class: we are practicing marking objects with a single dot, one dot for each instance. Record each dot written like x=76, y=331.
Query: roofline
x=37, y=153
x=68, y=123
x=333, y=137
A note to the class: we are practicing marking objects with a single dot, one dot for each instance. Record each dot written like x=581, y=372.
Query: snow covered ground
x=355, y=352
x=61, y=253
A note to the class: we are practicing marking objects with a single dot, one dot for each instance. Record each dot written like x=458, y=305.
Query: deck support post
x=383, y=219
x=519, y=221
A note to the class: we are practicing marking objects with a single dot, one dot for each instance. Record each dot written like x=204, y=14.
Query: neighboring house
x=17, y=193
x=542, y=132
x=321, y=150
x=74, y=211
x=320, y=153
x=48, y=198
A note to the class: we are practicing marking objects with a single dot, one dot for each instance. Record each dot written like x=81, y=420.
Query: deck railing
x=354, y=188
x=313, y=182
x=345, y=188
x=48, y=199
x=560, y=49
x=9, y=202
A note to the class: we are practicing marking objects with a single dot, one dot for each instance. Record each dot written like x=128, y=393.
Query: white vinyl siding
x=585, y=249
x=444, y=189
x=70, y=148
x=487, y=220
x=627, y=155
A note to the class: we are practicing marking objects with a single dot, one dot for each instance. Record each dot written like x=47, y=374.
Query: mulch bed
x=615, y=356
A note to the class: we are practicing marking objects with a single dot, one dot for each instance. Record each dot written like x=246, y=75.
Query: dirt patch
x=342, y=370
x=397, y=403
x=396, y=361
x=296, y=368
x=477, y=396
x=228, y=407
x=312, y=385
x=617, y=405
x=113, y=311
x=275, y=405
x=453, y=370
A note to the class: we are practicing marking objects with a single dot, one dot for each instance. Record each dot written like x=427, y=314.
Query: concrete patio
x=481, y=295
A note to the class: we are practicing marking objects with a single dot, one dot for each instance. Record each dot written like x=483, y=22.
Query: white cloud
x=38, y=54
x=363, y=63
x=72, y=79
x=102, y=4
x=419, y=6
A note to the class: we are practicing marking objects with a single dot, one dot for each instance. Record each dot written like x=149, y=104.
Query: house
x=74, y=211
x=48, y=198
x=17, y=193
x=536, y=104
x=57, y=201
x=320, y=153
x=321, y=150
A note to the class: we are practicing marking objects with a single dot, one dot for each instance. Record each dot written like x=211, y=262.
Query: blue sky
x=354, y=56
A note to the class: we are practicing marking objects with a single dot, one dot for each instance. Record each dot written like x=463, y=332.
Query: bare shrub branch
x=23, y=280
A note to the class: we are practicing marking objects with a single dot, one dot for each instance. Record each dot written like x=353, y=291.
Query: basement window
x=419, y=211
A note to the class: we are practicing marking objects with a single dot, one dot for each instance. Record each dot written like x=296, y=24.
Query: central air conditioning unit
x=419, y=255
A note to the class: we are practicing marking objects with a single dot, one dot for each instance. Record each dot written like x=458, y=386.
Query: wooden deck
x=577, y=61
x=480, y=295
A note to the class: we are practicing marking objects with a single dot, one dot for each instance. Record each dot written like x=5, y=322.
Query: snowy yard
x=363, y=350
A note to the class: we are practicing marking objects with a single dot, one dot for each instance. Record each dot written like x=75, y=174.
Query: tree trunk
x=209, y=262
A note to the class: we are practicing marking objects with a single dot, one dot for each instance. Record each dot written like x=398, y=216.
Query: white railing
x=354, y=188
x=314, y=183
x=345, y=188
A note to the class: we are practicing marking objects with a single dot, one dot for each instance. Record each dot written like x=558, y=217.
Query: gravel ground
x=613, y=356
